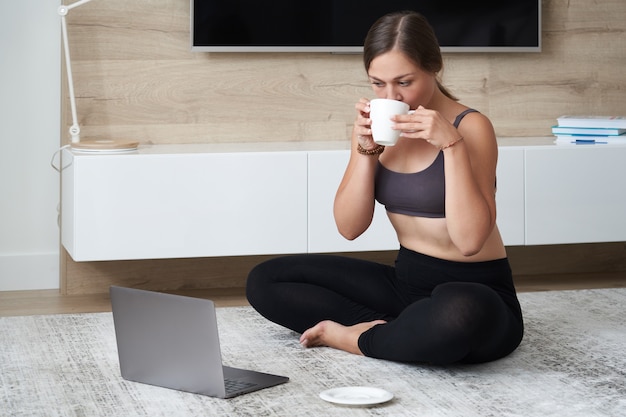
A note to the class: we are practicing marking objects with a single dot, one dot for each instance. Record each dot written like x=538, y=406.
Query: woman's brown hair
x=410, y=33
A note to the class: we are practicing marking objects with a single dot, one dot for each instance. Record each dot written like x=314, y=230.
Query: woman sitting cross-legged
x=450, y=296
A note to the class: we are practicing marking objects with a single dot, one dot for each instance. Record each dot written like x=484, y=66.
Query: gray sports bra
x=418, y=194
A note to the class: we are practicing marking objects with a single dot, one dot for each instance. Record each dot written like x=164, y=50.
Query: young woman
x=450, y=296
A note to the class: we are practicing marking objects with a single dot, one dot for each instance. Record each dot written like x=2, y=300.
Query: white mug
x=381, y=112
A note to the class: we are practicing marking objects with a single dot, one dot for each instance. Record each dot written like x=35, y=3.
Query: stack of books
x=590, y=129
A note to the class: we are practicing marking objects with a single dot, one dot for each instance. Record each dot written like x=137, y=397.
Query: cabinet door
x=510, y=195
x=326, y=169
x=184, y=205
x=575, y=194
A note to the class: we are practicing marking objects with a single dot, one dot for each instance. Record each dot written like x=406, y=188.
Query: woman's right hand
x=362, y=125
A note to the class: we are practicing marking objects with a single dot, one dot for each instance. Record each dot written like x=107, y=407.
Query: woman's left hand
x=428, y=125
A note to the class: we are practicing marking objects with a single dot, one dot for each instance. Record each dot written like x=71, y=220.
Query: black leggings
x=437, y=311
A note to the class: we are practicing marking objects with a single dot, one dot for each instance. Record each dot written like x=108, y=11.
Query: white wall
x=30, y=54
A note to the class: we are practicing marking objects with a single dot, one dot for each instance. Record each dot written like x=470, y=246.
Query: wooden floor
x=24, y=303
x=21, y=303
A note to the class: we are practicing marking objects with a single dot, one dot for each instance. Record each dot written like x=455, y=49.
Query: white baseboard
x=38, y=271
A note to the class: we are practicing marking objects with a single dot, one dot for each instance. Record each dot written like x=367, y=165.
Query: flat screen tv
x=340, y=26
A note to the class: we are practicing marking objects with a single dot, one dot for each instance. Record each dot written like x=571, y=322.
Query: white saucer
x=356, y=395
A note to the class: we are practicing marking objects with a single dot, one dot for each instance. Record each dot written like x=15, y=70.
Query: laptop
x=172, y=341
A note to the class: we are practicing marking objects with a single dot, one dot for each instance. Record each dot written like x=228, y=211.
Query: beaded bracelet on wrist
x=374, y=151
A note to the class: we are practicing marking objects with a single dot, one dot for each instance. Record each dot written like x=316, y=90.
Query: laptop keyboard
x=232, y=385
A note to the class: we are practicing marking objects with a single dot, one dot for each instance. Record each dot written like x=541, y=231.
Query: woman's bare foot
x=334, y=335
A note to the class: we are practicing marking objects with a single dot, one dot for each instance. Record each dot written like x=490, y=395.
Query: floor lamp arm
x=63, y=11
x=76, y=143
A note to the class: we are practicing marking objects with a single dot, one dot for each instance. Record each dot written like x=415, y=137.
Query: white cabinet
x=146, y=206
x=326, y=169
x=254, y=199
x=575, y=194
x=510, y=195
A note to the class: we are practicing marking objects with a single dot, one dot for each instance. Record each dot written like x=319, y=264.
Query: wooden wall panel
x=171, y=274
x=173, y=102
x=136, y=78
x=589, y=260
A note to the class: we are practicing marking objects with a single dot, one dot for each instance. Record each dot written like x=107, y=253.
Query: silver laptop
x=172, y=341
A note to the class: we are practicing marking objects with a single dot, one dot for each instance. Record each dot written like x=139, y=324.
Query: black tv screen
x=340, y=25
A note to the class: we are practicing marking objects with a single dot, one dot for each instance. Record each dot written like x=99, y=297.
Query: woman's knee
x=258, y=281
x=465, y=294
x=469, y=307
x=262, y=277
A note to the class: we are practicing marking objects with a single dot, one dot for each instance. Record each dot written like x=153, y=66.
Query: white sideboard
x=326, y=169
x=575, y=194
x=178, y=201
x=168, y=203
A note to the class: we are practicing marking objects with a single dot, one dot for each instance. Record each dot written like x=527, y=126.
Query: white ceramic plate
x=356, y=395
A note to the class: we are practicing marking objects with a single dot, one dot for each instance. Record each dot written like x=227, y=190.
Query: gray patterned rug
x=571, y=363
